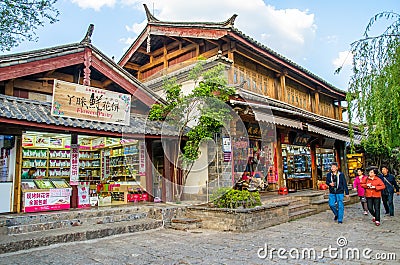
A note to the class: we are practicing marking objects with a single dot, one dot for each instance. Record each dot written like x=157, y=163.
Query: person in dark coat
x=391, y=187
x=337, y=187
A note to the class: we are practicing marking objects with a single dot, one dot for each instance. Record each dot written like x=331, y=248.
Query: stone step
x=82, y=214
x=82, y=232
x=321, y=201
x=298, y=207
x=301, y=214
x=35, y=227
x=185, y=223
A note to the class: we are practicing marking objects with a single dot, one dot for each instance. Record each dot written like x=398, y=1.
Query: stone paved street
x=165, y=246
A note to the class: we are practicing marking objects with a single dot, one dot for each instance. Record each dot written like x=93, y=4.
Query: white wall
x=199, y=174
x=7, y=177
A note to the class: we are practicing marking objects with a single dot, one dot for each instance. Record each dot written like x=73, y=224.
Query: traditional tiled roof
x=39, y=113
x=291, y=110
x=54, y=52
x=237, y=34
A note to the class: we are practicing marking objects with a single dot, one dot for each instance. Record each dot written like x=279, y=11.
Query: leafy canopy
x=20, y=19
x=199, y=114
x=374, y=91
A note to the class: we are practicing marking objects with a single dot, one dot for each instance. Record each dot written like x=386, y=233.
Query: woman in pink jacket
x=360, y=190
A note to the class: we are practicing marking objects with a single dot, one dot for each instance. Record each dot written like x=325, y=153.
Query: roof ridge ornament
x=150, y=17
x=231, y=21
x=89, y=32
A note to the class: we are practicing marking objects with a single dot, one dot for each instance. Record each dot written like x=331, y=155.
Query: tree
x=374, y=91
x=196, y=116
x=20, y=19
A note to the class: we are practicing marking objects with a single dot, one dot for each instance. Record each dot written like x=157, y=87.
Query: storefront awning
x=38, y=113
x=265, y=117
x=312, y=128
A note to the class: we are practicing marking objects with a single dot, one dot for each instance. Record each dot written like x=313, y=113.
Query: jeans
x=374, y=207
x=337, y=205
x=387, y=200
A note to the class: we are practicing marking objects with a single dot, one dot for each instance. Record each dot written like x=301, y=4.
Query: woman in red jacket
x=373, y=186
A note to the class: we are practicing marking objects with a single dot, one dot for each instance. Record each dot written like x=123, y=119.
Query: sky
x=314, y=34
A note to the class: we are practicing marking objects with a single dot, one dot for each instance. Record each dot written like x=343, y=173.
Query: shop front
x=254, y=153
x=106, y=170
x=79, y=130
x=301, y=154
x=296, y=160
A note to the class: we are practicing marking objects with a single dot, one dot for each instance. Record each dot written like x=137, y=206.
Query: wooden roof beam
x=106, y=83
x=42, y=87
x=132, y=66
x=161, y=50
x=142, y=50
x=168, y=57
x=189, y=40
x=213, y=42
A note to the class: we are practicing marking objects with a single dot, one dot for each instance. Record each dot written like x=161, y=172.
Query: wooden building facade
x=301, y=103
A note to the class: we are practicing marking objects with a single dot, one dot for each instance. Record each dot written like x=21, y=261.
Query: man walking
x=387, y=193
x=337, y=187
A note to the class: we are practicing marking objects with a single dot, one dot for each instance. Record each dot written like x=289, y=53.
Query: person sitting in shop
x=244, y=182
x=258, y=181
x=29, y=174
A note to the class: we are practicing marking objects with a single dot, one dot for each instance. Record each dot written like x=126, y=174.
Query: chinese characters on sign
x=54, y=199
x=142, y=164
x=90, y=103
x=74, y=174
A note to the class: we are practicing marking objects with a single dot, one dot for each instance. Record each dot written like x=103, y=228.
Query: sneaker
x=373, y=219
x=377, y=223
x=340, y=222
x=365, y=213
x=336, y=217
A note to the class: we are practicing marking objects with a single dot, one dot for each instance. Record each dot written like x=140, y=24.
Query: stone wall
x=241, y=220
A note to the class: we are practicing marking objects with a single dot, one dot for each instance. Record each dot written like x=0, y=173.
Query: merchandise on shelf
x=60, y=183
x=43, y=183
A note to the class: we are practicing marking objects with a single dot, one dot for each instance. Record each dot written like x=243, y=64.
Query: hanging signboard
x=90, y=103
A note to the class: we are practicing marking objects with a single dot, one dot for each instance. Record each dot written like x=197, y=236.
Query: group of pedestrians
x=370, y=189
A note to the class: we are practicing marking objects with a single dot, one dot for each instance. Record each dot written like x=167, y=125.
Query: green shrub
x=235, y=198
x=219, y=193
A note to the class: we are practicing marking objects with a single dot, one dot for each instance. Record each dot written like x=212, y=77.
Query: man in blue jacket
x=387, y=193
x=337, y=187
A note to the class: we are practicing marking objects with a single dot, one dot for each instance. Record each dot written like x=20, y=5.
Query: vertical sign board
x=227, y=148
x=90, y=103
x=142, y=162
x=74, y=174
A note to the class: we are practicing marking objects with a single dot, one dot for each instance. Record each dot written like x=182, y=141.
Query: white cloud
x=343, y=59
x=136, y=27
x=94, y=4
x=287, y=31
